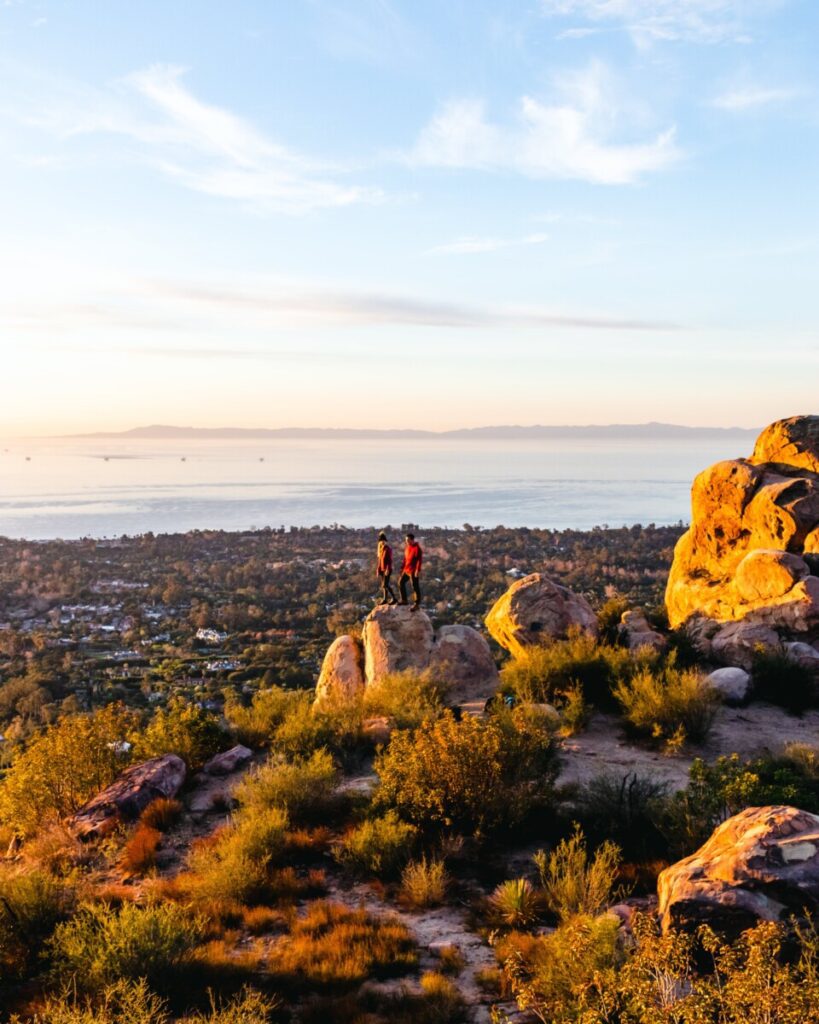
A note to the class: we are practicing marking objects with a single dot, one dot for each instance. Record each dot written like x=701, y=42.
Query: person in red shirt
x=411, y=570
x=384, y=570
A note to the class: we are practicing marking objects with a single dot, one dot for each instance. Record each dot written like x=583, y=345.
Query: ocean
x=71, y=488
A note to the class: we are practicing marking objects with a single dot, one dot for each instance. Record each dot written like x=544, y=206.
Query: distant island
x=653, y=431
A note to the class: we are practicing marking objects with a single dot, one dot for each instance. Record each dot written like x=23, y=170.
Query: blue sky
x=407, y=214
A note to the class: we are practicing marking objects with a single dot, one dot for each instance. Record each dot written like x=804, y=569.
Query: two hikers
x=410, y=570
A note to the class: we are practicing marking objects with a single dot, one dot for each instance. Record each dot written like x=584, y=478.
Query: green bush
x=100, y=945
x=306, y=728
x=184, y=728
x=470, y=776
x=303, y=787
x=668, y=705
x=779, y=680
x=378, y=846
x=573, y=882
x=409, y=698
x=545, y=674
x=515, y=903
x=626, y=809
x=255, y=725
x=31, y=905
x=608, y=618
x=65, y=766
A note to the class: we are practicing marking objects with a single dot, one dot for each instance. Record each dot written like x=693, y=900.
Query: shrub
x=779, y=680
x=546, y=673
x=332, y=946
x=626, y=809
x=469, y=776
x=515, y=903
x=255, y=725
x=161, y=814
x=574, y=711
x=100, y=945
x=31, y=904
x=574, y=884
x=303, y=787
x=406, y=697
x=424, y=882
x=65, y=766
x=139, y=854
x=451, y=959
x=306, y=728
x=669, y=705
x=443, y=1003
x=608, y=618
x=377, y=846
x=185, y=729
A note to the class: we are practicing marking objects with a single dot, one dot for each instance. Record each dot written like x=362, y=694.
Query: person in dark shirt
x=384, y=570
x=411, y=571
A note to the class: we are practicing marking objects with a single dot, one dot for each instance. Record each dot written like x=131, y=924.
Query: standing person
x=384, y=570
x=411, y=570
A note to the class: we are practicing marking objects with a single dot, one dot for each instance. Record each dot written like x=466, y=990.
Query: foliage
x=515, y=903
x=31, y=904
x=469, y=776
x=332, y=946
x=133, y=1002
x=183, y=728
x=668, y=704
x=303, y=787
x=608, y=618
x=100, y=945
x=574, y=883
x=161, y=814
x=139, y=854
x=378, y=846
x=546, y=673
x=69, y=763
x=626, y=809
x=255, y=725
x=424, y=882
x=780, y=680
x=306, y=728
x=408, y=698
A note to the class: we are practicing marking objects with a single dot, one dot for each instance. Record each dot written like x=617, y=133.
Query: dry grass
x=424, y=883
x=334, y=947
x=161, y=814
x=452, y=959
x=139, y=854
x=263, y=920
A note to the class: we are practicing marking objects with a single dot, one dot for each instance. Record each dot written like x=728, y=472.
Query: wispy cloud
x=752, y=97
x=570, y=138
x=204, y=147
x=647, y=21
x=472, y=244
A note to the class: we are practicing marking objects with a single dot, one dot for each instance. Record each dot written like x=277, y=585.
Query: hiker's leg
x=389, y=593
x=402, y=587
x=416, y=589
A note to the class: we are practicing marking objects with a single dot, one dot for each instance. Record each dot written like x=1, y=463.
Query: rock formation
x=228, y=761
x=760, y=865
x=396, y=639
x=534, y=611
x=732, y=684
x=129, y=795
x=636, y=631
x=749, y=555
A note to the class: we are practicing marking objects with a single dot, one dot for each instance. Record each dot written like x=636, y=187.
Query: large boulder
x=732, y=684
x=739, y=643
x=128, y=795
x=536, y=610
x=462, y=659
x=342, y=672
x=750, y=552
x=395, y=639
x=760, y=865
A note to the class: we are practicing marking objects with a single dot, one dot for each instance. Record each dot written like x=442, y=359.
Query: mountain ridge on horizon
x=651, y=429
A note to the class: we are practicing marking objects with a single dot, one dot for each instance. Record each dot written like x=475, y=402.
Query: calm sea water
x=106, y=488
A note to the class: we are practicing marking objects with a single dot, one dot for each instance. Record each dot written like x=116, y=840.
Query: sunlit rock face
x=750, y=553
x=535, y=610
x=760, y=865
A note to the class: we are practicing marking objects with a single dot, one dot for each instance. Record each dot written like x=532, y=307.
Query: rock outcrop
x=536, y=610
x=732, y=684
x=637, y=632
x=129, y=795
x=228, y=761
x=342, y=672
x=760, y=865
x=396, y=639
x=750, y=551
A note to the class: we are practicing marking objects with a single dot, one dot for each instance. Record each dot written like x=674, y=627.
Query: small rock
x=228, y=761
x=803, y=654
x=378, y=730
x=733, y=684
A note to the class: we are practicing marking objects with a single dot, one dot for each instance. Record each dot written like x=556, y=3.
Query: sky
x=373, y=213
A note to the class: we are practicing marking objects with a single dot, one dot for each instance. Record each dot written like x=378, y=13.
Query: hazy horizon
x=381, y=214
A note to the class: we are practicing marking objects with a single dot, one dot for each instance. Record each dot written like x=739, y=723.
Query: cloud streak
x=472, y=244
x=571, y=138
x=738, y=100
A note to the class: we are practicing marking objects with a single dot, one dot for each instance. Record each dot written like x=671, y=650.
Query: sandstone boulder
x=461, y=658
x=228, y=761
x=760, y=865
x=342, y=672
x=732, y=684
x=129, y=795
x=637, y=632
x=751, y=546
x=739, y=643
x=395, y=639
x=803, y=654
x=534, y=611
